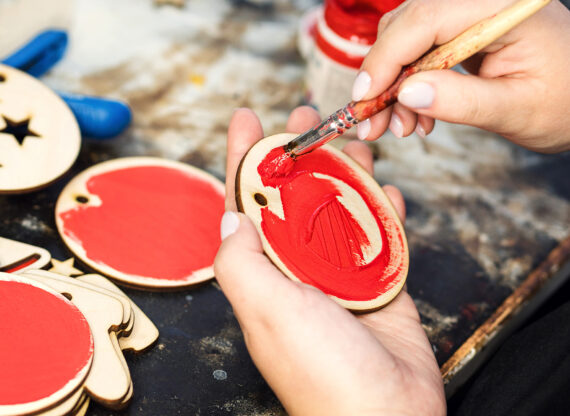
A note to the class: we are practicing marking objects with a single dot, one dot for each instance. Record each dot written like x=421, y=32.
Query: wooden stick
x=453, y=52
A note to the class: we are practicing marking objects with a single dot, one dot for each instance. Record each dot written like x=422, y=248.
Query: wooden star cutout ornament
x=65, y=267
x=39, y=136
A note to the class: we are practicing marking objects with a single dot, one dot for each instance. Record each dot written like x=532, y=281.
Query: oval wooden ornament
x=148, y=222
x=326, y=222
x=46, y=350
x=39, y=136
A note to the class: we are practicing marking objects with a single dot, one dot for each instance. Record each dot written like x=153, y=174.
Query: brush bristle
x=277, y=164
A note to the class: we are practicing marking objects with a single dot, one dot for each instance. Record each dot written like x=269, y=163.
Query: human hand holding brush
x=329, y=361
x=518, y=86
x=319, y=358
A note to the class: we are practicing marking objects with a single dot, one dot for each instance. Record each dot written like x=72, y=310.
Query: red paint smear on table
x=46, y=342
x=154, y=222
x=320, y=241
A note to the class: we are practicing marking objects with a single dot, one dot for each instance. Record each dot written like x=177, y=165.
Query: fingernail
x=361, y=85
x=417, y=95
x=363, y=129
x=396, y=126
x=420, y=131
x=229, y=224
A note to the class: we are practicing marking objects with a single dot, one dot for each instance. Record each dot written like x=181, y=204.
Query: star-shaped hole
x=19, y=129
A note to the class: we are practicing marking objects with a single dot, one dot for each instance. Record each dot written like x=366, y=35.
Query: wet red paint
x=320, y=241
x=154, y=221
x=45, y=343
x=276, y=164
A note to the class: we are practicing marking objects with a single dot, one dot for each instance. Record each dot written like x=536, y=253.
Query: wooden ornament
x=325, y=222
x=65, y=268
x=66, y=284
x=68, y=406
x=108, y=383
x=147, y=222
x=144, y=333
x=81, y=408
x=47, y=347
x=16, y=256
x=39, y=136
x=121, y=337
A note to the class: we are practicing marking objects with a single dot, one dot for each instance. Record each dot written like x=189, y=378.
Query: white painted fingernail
x=417, y=95
x=420, y=131
x=361, y=85
x=229, y=224
x=363, y=129
x=396, y=126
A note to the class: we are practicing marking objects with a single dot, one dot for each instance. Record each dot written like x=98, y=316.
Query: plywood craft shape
x=65, y=267
x=326, y=222
x=47, y=347
x=65, y=284
x=144, y=221
x=67, y=406
x=39, y=136
x=144, y=333
x=17, y=256
x=109, y=381
x=81, y=408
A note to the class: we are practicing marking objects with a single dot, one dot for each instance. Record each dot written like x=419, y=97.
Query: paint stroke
x=320, y=240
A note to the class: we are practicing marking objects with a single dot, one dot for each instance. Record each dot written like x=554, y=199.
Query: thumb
x=466, y=99
x=248, y=278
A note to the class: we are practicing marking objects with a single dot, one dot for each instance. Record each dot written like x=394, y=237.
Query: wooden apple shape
x=145, y=221
x=326, y=222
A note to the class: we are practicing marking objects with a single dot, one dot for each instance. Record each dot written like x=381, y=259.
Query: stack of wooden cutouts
x=39, y=136
x=146, y=222
x=63, y=337
x=324, y=221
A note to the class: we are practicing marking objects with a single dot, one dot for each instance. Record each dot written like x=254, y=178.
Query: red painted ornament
x=46, y=349
x=326, y=222
x=146, y=221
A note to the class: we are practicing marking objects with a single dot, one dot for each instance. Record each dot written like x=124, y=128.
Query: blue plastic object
x=40, y=54
x=98, y=118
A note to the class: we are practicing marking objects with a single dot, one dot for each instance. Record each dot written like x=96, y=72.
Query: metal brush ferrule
x=328, y=129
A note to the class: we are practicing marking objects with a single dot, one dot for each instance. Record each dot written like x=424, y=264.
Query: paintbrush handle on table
x=445, y=56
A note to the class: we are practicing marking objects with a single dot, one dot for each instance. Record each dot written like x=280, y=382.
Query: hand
x=521, y=89
x=317, y=357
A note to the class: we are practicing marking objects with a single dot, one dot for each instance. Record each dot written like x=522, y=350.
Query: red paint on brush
x=154, y=222
x=46, y=342
x=277, y=164
x=320, y=241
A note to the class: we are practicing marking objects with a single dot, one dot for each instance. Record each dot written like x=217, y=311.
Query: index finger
x=414, y=29
x=244, y=130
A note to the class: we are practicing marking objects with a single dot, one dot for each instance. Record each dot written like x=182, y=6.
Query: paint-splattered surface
x=482, y=213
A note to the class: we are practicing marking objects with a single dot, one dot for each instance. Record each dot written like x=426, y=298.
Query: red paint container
x=334, y=39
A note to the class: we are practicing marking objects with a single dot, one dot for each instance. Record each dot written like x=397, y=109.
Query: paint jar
x=334, y=38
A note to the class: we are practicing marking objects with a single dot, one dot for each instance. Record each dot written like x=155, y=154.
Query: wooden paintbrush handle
x=453, y=52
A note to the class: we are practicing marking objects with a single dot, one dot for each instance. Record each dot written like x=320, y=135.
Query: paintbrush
x=445, y=56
